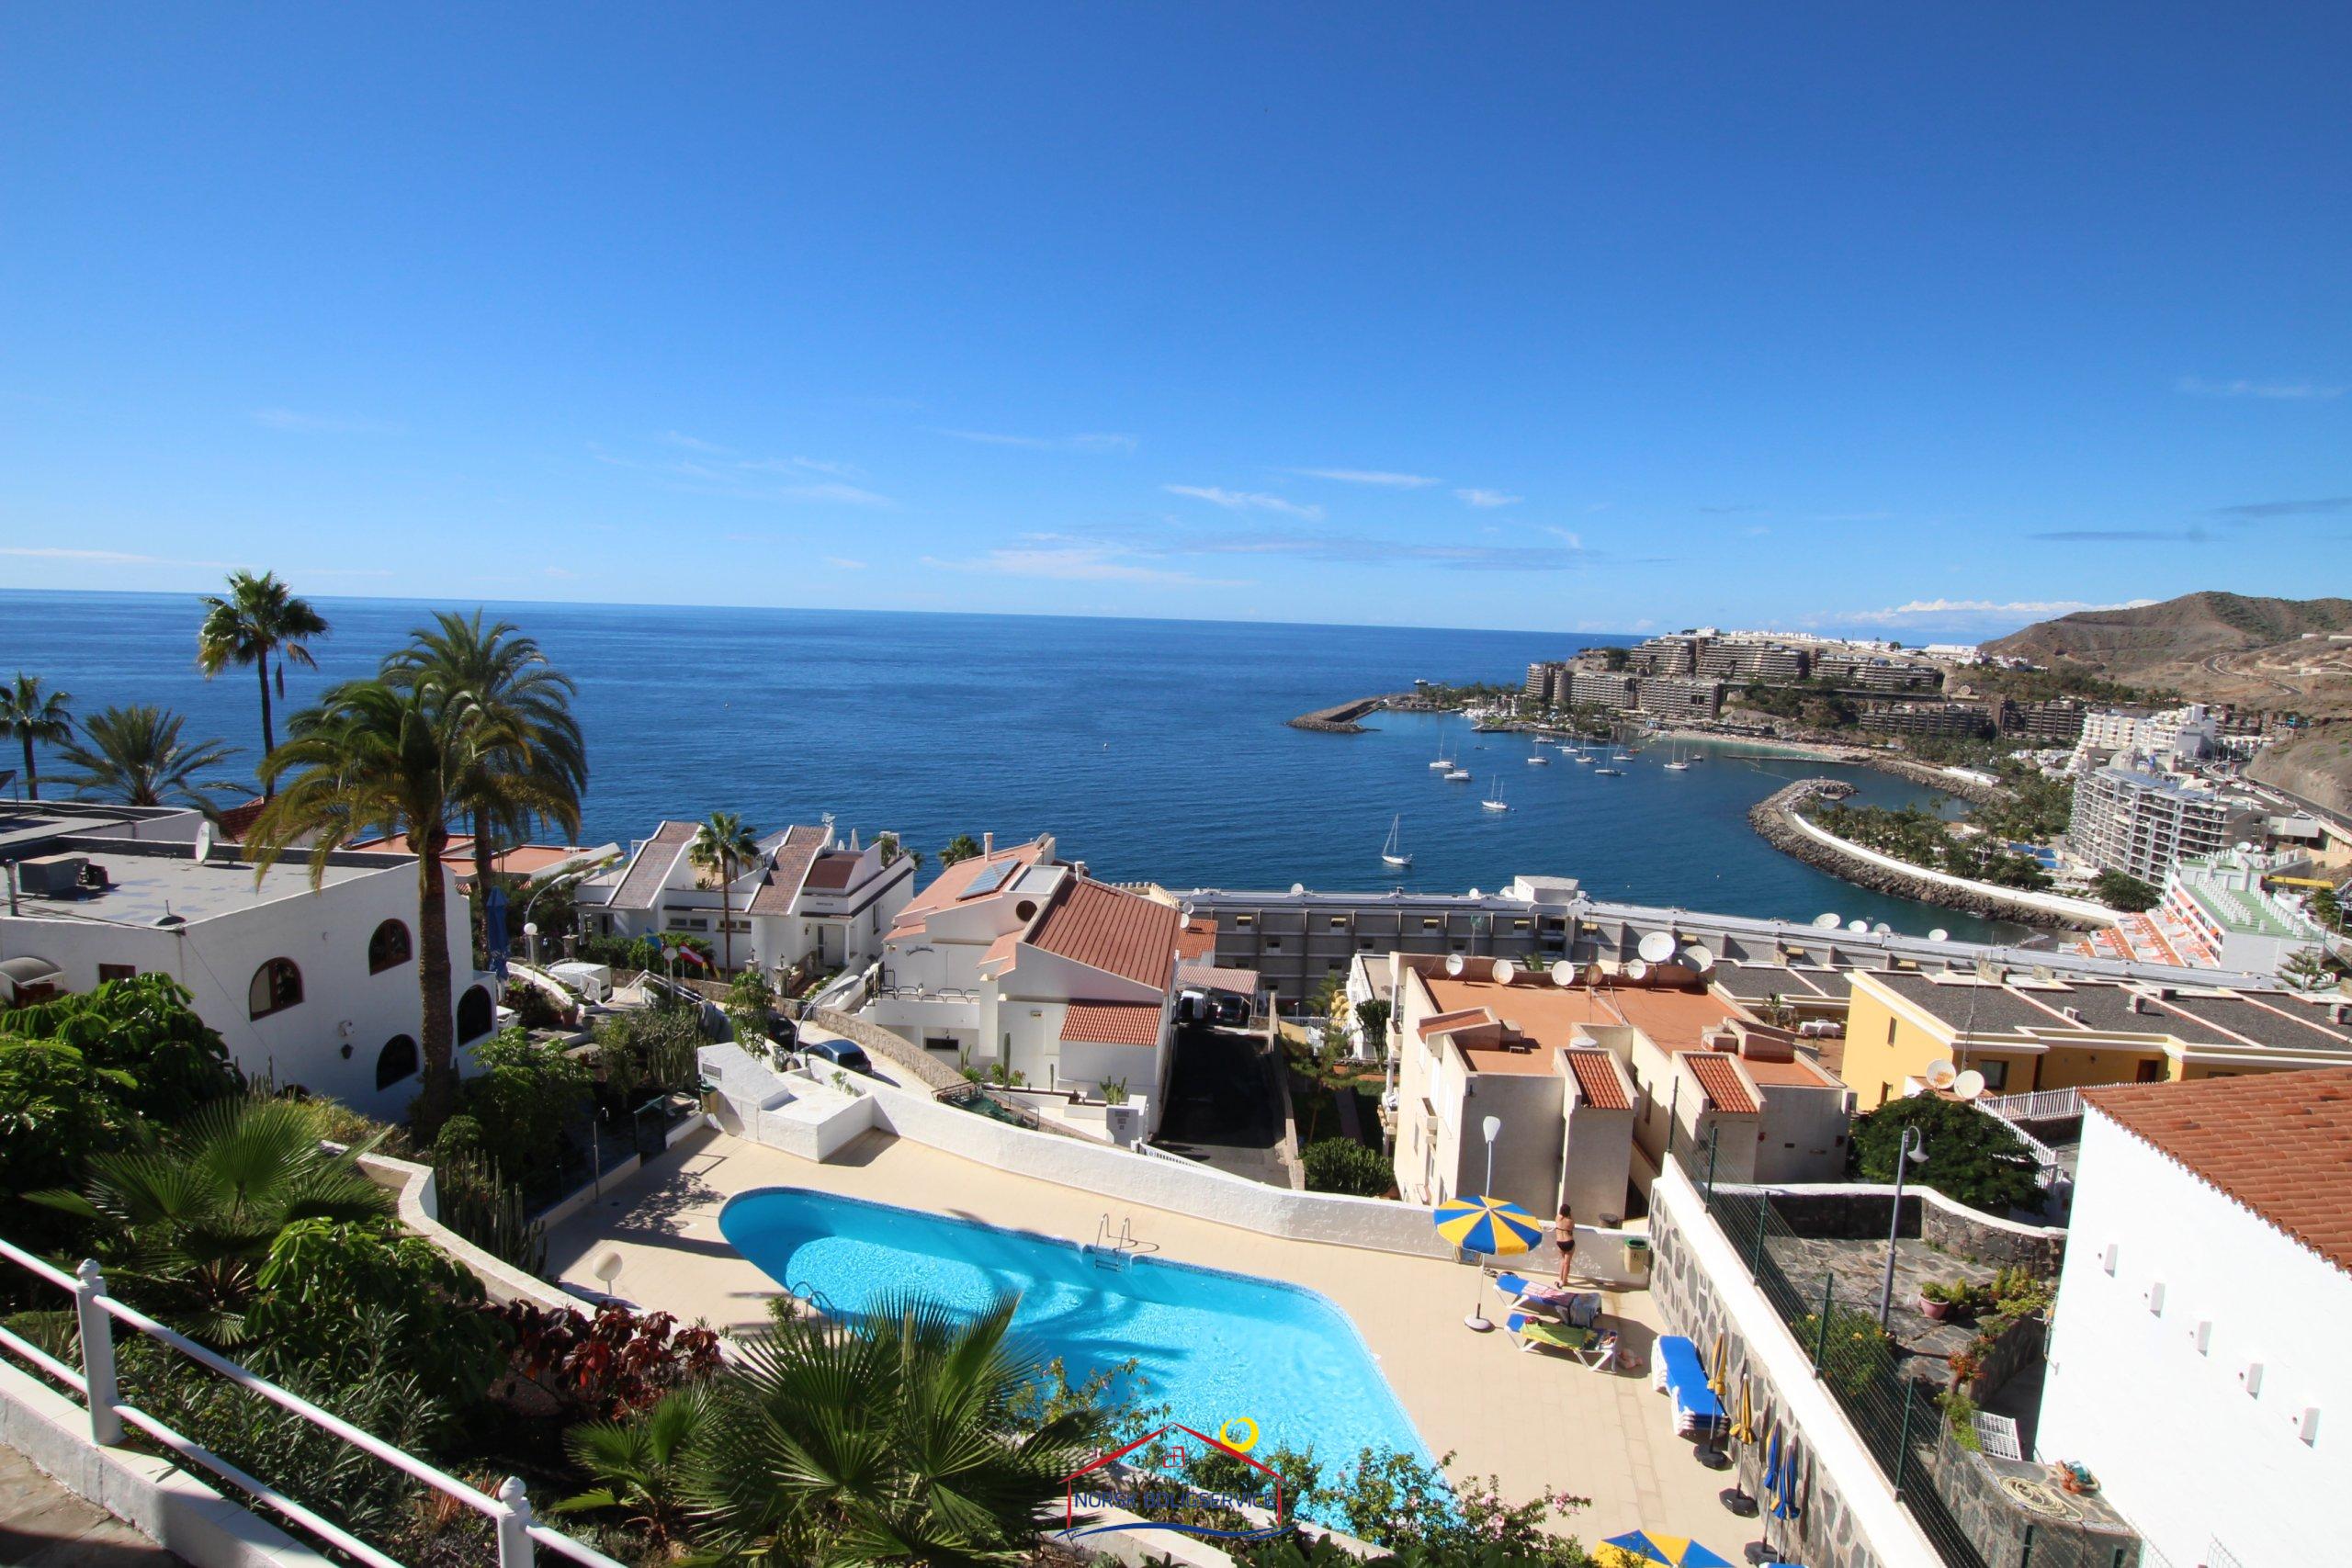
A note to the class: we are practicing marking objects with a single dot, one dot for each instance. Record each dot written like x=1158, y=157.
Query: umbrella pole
x=1477, y=1321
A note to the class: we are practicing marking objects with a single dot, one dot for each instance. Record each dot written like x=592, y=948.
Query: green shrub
x=1971, y=1156
x=1342, y=1164
x=2119, y=890
x=1856, y=1354
x=526, y=1097
x=321, y=1274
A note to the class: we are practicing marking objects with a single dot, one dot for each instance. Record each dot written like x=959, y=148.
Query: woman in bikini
x=1563, y=1232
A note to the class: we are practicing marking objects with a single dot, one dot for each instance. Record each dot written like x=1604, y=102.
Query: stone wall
x=1971, y=1488
x=1855, y=1212
x=899, y=1051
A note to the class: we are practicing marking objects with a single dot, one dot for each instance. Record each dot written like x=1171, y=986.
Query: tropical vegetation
x=1343, y=1164
x=259, y=623
x=723, y=846
x=35, y=718
x=2122, y=890
x=963, y=846
x=1918, y=837
x=1971, y=1157
x=134, y=755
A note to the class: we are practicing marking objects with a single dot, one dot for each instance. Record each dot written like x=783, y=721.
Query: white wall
x=2172, y=1434
x=1804, y=1133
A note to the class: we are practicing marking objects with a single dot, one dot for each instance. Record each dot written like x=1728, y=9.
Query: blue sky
x=1916, y=319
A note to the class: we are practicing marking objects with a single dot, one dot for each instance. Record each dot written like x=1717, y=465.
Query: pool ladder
x=815, y=1300
x=1114, y=1251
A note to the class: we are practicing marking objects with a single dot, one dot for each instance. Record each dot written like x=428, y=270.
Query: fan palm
x=639, y=1465
x=893, y=1437
x=511, y=686
x=33, y=715
x=200, y=1206
x=134, y=755
x=407, y=758
x=258, y=622
x=723, y=846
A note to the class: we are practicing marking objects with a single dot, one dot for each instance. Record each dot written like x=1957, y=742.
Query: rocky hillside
x=2270, y=653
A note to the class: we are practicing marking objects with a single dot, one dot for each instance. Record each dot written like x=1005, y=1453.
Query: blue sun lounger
x=1696, y=1412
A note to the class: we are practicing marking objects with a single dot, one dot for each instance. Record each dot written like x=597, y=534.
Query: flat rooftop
x=24, y=825
x=144, y=889
x=1555, y=1015
x=1527, y=1061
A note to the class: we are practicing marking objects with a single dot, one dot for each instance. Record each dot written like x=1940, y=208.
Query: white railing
x=96, y=1314
x=2041, y=1105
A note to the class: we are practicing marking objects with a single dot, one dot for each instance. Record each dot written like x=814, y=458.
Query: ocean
x=1151, y=749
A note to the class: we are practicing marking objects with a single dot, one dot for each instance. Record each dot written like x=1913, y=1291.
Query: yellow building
x=2025, y=1033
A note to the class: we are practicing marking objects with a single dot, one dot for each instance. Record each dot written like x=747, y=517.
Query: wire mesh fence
x=1897, y=1417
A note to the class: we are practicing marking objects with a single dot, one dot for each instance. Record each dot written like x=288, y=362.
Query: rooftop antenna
x=1939, y=934
x=1656, y=947
x=203, y=843
x=1504, y=972
x=1828, y=921
x=1564, y=973
x=1969, y=1085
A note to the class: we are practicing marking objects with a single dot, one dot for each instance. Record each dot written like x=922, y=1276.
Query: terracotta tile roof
x=1210, y=977
x=1598, y=1079
x=2278, y=1142
x=1197, y=942
x=951, y=884
x=235, y=822
x=642, y=887
x=1718, y=1075
x=781, y=885
x=1104, y=928
x=1002, y=951
x=832, y=870
x=1112, y=1023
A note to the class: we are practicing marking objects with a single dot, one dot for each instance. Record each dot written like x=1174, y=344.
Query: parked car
x=1233, y=1012
x=839, y=1053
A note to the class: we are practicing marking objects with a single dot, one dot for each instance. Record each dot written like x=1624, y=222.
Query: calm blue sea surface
x=1151, y=748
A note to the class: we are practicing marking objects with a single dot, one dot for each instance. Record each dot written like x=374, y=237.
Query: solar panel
x=992, y=879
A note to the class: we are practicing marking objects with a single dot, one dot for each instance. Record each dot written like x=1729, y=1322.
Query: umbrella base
x=1738, y=1502
x=1476, y=1322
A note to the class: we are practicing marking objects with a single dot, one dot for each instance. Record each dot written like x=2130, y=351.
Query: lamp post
x=1492, y=1127
x=531, y=941
x=1913, y=1150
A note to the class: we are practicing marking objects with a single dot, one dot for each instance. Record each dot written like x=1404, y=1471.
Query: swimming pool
x=1214, y=1345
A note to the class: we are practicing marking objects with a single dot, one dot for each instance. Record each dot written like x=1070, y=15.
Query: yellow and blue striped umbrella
x=1675, y=1551
x=1492, y=1225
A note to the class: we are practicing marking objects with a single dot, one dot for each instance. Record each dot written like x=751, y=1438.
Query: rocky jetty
x=1774, y=817
x=1340, y=720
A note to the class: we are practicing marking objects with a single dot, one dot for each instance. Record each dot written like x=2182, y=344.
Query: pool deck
x=1537, y=1421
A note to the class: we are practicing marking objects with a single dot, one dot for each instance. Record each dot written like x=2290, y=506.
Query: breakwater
x=1775, y=819
x=1340, y=720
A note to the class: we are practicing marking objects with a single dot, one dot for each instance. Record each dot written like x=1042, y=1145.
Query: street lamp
x=1912, y=1151
x=1492, y=1127
x=531, y=940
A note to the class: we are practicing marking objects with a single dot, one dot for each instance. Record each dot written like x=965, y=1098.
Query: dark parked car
x=840, y=1054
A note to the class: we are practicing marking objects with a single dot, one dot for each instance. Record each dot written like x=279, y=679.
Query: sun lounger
x=1536, y=1334
x=1601, y=1355
x=1578, y=1307
x=1696, y=1412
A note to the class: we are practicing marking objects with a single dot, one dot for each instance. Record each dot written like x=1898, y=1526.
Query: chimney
x=988, y=844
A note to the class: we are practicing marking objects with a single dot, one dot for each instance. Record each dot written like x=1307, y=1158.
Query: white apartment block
x=809, y=900
x=2140, y=823
x=2170, y=739
x=316, y=988
x=2197, y=1361
x=2230, y=920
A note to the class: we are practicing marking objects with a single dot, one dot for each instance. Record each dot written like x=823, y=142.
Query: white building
x=2140, y=823
x=2230, y=920
x=2171, y=737
x=807, y=902
x=315, y=989
x=2197, y=1361
x=1017, y=958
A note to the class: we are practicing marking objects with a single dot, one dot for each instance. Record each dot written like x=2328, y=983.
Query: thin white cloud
x=1918, y=609
x=1084, y=441
x=2285, y=391
x=1489, y=497
x=844, y=564
x=1246, y=500
x=1057, y=559
x=1575, y=539
x=693, y=444
x=1381, y=477
x=321, y=423
x=739, y=478
x=105, y=558
x=558, y=572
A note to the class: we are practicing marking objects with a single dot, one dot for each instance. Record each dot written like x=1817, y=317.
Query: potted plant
x=1935, y=1299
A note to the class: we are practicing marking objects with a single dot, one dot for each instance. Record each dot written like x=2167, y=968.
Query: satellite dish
x=1939, y=934
x=1297, y=889
x=1454, y=964
x=1828, y=922
x=1969, y=1085
x=1940, y=1074
x=1656, y=947
x=1637, y=970
x=1594, y=974
x=1504, y=971
x=203, y=843
x=1882, y=928
x=1699, y=958
x=1564, y=973
x=1858, y=926
x=607, y=1268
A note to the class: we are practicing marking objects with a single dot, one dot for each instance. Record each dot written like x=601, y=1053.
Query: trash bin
x=1638, y=1254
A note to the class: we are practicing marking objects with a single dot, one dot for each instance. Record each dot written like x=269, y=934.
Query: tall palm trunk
x=32, y=775
x=269, y=735
x=484, y=857
x=440, y=1031
x=726, y=923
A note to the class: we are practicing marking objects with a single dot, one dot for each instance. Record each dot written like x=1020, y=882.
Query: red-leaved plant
x=603, y=1368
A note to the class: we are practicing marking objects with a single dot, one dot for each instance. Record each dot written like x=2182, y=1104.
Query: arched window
x=396, y=1061
x=475, y=1014
x=389, y=948
x=277, y=985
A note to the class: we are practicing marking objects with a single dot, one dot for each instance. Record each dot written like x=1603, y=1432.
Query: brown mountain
x=2167, y=644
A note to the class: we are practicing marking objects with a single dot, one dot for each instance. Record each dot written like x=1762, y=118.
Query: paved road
x=44, y=1525
x=1224, y=1108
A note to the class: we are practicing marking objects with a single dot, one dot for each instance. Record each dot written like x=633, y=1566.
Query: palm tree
x=639, y=1465
x=511, y=686
x=134, y=755
x=198, y=1208
x=261, y=623
x=724, y=846
x=31, y=715
x=959, y=848
x=896, y=1437
x=406, y=758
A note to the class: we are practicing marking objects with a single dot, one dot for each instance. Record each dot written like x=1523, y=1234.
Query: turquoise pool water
x=1214, y=1345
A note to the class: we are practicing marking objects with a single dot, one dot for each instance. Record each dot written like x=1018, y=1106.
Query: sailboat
x=1538, y=760
x=1581, y=755
x=1392, y=853
x=1456, y=775
x=1443, y=762
x=1676, y=765
x=1614, y=773
x=1494, y=801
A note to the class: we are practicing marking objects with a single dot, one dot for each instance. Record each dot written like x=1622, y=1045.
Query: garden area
x=1918, y=837
x=242, y=1217
x=1335, y=1098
